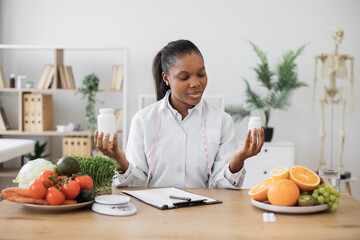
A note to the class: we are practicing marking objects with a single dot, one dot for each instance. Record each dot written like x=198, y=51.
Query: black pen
x=180, y=198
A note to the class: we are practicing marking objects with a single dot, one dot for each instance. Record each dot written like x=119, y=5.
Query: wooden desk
x=235, y=218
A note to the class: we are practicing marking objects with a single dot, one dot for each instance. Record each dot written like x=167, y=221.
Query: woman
x=181, y=140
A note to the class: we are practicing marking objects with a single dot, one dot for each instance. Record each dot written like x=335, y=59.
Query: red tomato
x=54, y=196
x=44, y=177
x=85, y=182
x=71, y=189
x=59, y=178
x=37, y=189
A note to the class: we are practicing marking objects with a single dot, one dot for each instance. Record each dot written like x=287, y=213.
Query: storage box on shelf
x=56, y=78
x=272, y=154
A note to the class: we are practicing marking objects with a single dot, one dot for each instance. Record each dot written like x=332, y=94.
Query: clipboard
x=160, y=198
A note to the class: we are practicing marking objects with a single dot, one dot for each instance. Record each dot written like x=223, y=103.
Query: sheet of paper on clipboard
x=160, y=198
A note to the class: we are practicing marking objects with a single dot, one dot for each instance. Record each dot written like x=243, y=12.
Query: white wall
x=220, y=29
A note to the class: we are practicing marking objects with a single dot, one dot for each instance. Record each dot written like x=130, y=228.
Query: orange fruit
x=280, y=173
x=306, y=179
x=283, y=192
x=259, y=192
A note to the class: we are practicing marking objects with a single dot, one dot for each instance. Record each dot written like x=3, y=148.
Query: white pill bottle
x=254, y=122
x=106, y=122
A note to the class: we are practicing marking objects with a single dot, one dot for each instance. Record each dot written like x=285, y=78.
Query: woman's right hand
x=111, y=149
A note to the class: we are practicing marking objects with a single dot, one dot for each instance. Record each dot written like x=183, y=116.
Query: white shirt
x=180, y=153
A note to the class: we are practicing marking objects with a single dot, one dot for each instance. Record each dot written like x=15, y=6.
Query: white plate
x=292, y=210
x=58, y=208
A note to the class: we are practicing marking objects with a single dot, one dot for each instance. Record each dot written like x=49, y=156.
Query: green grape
x=315, y=195
x=327, y=187
x=334, y=207
x=326, y=194
x=332, y=198
x=316, y=190
x=336, y=201
x=337, y=194
x=305, y=193
x=321, y=199
x=330, y=204
x=327, y=200
x=333, y=191
x=322, y=190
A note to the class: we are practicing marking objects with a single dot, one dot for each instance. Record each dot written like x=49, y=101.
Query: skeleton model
x=334, y=66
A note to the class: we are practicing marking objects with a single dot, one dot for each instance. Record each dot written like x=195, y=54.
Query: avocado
x=86, y=195
x=67, y=166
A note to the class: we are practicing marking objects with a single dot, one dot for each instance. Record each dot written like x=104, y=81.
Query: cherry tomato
x=71, y=189
x=59, y=178
x=44, y=177
x=85, y=182
x=37, y=189
x=54, y=196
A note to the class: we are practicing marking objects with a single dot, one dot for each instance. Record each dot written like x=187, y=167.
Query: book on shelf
x=62, y=77
x=50, y=78
x=117, y=77
x=44, y=76
x=118, y=115
x=2, y=79
x=5, y=123
x=69, y=77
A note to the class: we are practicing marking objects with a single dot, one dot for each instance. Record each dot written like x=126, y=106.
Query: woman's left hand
x=251, y=147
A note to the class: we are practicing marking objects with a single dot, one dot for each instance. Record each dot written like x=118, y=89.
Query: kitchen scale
x=113, y=205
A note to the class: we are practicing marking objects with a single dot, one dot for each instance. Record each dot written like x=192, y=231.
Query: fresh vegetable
x=100, y=169
x=37, y=189
x=15, y=191
x=68, y=202
x=59, y=178
x=67, y=166
x=85, y=182
x=22, y=199
x=54, y=196
x=31, y=171
x=48, y=178
x=70, y=189
x=86, y=195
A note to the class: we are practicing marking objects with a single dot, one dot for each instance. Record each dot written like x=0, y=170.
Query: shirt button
x=179, y=170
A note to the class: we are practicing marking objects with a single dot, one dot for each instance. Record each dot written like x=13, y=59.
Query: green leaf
x=264, y=74
x=237, y=112
x=280, y=100
x=253, y=98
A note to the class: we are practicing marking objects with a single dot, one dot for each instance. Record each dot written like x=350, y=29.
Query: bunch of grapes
x=325, y=194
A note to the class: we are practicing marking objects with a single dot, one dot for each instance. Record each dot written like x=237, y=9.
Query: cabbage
x=31, y=171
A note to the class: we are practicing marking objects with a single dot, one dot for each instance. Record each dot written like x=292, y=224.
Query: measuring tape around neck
x=204, y=140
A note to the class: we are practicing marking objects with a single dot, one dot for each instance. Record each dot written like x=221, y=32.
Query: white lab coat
x=180, y=156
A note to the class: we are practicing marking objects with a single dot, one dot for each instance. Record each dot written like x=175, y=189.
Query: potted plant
x=89, y=87
x=279, y=85
x=39, y=149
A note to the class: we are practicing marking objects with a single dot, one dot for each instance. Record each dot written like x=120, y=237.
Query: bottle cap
x=106, y=111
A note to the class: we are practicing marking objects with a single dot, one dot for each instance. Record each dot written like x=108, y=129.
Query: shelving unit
x=59, y=57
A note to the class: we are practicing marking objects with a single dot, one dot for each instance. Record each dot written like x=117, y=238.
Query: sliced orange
x=306, y=179
x=259, y=192
x=280, y=173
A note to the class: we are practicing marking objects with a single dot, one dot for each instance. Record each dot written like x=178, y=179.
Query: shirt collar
x=165, y=104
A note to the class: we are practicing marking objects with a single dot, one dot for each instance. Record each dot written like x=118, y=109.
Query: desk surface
x=235, y=218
